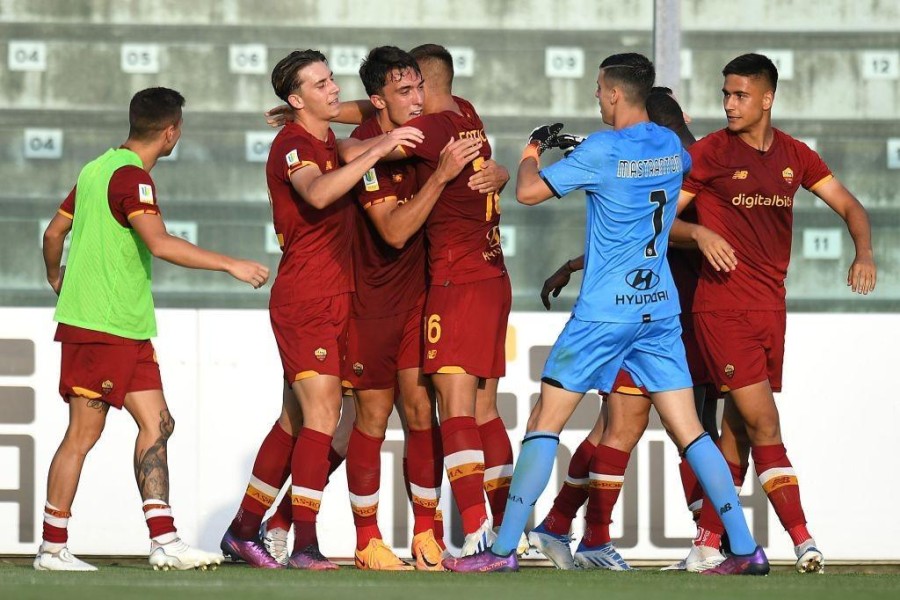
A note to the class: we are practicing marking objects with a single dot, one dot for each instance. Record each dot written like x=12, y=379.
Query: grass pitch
x=129, y=579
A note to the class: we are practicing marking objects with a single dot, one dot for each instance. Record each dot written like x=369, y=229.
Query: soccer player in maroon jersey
x=743, y=182
x=385, y=334
x=468, y=305
x=105, y=318
x=309, y=306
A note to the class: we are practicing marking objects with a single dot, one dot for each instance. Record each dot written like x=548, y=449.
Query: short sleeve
x=436, y=137
x=579, y=170
x=376, y=186
x=131, y=192
x=697, y=173
x=298, y=153
x=815, y=171
x=67, y=208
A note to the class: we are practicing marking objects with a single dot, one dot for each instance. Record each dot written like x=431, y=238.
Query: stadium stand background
x=69, y=67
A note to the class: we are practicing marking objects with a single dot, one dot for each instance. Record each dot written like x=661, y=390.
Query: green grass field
x=130, y=579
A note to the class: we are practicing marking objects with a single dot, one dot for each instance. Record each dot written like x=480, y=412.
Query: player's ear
x=767, y=99
x=377, y=101
x=296, y=101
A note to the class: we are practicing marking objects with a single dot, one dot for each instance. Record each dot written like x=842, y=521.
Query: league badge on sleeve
x=370, y=180
x=292, y=158
x=145, y=193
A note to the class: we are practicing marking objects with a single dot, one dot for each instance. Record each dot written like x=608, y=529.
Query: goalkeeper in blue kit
x=627, y=312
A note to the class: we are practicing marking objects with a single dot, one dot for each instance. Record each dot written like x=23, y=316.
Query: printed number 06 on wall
x=433, y=329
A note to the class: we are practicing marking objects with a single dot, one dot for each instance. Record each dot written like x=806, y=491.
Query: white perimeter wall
x=223, y=382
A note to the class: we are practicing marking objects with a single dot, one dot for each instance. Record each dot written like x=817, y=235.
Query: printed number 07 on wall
x=659, y=198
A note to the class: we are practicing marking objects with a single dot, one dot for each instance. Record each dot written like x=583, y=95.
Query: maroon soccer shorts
x=108, y=371
x=625, y=384
x=742, y=347
x=696, y=363
x=312, y=336
x=465, y=327
x=378, y=348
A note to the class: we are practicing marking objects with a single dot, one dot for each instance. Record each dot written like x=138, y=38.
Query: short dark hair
x=436, y=53
x=661, y=89
x=284, y=75
x=152, y=110
x=633, y=71
x=753, y=65
x=664, y=110
x=381, y=63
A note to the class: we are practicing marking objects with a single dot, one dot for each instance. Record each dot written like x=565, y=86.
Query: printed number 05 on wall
x=433, y=329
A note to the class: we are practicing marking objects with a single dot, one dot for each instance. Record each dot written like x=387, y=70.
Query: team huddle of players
x=392, y=284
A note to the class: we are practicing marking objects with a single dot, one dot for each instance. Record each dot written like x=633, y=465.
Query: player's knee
x=763, y=431
x=80, y=440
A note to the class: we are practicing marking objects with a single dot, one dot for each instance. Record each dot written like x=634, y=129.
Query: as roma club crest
x=321, y=354
x=729, y=370
x=788, y=175
x=358, y=369
x=106, y=386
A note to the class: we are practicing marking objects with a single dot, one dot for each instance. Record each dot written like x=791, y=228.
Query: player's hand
x=279, y=116
x=862, y=275
x=568, y=142
x=544, y=137
x=490, y=179
x=454, y=157
x=250, y=272
x=402, y=136
x=717, y=251
x=555, y=283
x=57, y=284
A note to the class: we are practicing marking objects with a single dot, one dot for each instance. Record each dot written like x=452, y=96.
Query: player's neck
x=440, y=101
x=148, y=153
x=384, y=121
x=318, y=128
x=760, y=138
x=629, y=118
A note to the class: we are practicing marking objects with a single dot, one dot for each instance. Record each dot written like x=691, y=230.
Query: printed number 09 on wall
x=433, y=329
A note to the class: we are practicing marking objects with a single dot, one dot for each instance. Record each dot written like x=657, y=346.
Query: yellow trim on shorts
x=305, y=375
x=452, y=370
x=86, y=393
x=631, y=391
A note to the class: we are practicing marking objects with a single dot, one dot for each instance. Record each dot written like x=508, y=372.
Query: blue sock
x=529, y=479
x=711, y=469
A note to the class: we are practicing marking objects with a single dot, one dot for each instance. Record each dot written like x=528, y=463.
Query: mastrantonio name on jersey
x=649, y=167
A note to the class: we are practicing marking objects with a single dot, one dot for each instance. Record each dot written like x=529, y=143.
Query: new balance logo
x=739, y=175
x=725, y=508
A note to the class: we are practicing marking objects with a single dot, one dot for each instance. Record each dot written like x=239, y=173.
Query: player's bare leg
x=87, y=418
x=424, y=465
x=151, y=471
x=628, y=419
x=319, y=398
x=756, y=405
x=464, y=454
x=373, y=408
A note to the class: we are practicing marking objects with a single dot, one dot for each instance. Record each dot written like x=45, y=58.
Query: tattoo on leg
x=151, y=468
x=98, y=405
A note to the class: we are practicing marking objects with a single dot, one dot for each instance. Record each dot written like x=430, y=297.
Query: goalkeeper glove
x=544, y=137
x=568, y=142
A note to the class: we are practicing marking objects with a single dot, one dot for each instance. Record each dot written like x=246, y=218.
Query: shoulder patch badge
x=292, y=158
x=370, y=180
x=145, y=193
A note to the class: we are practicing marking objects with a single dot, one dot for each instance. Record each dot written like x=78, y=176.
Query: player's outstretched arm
x=530, y=188
x=185, y=254
x=863, y=272
x=321, y=190
x=397, y=223
x=491, y=179
x=351, y=148
x=54, y=240
x=560, y=279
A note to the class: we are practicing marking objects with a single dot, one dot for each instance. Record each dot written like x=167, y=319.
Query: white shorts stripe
x=578, y=482
x=498, y=472
x=464, y=457
x=299, y=490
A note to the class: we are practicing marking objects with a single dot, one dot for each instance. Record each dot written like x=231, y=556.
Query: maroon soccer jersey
x=128, y=195
x=388, y=281
x=686, y=264
x=747, y=197
x=316, y=243
x=463, y=229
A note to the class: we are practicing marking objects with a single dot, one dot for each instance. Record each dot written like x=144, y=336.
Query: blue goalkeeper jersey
x=631, y=178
